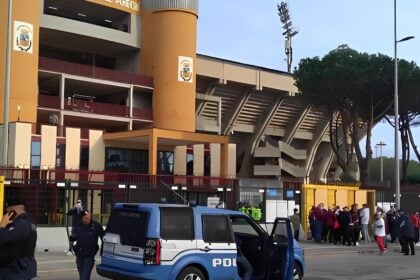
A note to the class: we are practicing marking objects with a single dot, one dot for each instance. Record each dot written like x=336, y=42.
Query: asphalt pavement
x=324, y=261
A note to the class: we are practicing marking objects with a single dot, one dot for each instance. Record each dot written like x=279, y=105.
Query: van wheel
x=297, y=272
x=191, y=273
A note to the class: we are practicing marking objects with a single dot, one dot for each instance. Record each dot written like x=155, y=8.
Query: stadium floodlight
x=289, y=32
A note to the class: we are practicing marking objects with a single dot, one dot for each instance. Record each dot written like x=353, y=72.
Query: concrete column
x=198, y=169
x=153, y=153
x=20, y=138
x=96, y=151
x=48, y=146
x=72, y=148
x=231, y=163
x=180, y=160
x=214, y=160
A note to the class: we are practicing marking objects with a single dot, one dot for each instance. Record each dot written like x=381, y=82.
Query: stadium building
x=108, y=100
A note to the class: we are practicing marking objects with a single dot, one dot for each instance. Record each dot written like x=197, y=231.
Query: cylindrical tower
x=168, y=53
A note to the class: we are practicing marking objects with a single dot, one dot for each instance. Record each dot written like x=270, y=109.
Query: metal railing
x=50, y=193
x=93, y=107
x=83, y=70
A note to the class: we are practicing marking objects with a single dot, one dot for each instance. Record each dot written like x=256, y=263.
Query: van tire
x=297, y=272
x=191, y=273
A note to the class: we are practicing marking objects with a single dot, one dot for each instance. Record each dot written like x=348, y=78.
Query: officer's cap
x=84, y=213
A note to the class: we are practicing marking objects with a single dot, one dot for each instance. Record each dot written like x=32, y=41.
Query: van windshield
x=130, y=225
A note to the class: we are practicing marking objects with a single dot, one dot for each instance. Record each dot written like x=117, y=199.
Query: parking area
x=323, y=262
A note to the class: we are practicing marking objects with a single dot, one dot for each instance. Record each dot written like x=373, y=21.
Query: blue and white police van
x=163, y=241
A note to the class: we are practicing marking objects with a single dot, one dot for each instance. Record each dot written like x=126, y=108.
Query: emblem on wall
x=185, y=69
x=23, y=36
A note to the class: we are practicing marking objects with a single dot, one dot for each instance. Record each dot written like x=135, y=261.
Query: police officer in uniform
x=17, y=243
x=76, y=212
x=86, y=244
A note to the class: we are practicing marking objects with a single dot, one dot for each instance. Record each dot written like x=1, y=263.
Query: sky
x=251, y=32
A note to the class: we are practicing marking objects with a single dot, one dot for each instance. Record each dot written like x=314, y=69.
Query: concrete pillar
x=48, y=146
x=198, y=169
x=180, y=160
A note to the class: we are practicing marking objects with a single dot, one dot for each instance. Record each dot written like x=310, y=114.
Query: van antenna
x=183, y=199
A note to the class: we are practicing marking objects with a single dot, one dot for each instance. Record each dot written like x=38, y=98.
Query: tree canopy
x=357, y=86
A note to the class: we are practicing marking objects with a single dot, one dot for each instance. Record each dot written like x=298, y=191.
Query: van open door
x=282, y=260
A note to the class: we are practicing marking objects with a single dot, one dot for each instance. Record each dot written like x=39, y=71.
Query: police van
x=163, y=241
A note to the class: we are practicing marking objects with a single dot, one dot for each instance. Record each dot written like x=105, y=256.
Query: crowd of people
x=349, y=226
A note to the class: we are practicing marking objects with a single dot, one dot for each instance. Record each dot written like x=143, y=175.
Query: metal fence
x=49, y=194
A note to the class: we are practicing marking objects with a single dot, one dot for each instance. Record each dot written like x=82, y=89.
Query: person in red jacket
x=416, y=223
x=329, y=216
x=319, y=222
x=354, y=212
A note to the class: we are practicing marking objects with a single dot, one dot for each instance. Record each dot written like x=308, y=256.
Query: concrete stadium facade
x=117, y=86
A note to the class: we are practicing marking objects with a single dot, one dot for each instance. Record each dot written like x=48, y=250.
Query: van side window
x=280, y=232
x=176, y=223
x=242, y=226
x=216, y=228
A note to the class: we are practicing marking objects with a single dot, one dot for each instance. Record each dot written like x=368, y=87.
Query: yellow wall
x=361, y=197
x=167, y=35
x=48, y=146
x=333, y=195
x=308, y=202
x=341, y=198
x=24, y=65
x=321, y=196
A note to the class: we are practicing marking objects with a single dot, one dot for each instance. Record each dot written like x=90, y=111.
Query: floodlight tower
x=289, y=32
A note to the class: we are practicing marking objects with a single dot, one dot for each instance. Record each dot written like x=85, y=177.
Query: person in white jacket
x=364, y=221
x=379, y=228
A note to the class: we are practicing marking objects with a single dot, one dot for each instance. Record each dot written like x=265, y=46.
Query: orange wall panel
x=341, y=198
x=321, y=196
x=350, y=198
x=360, y=197
x=331, y=198
x=24, y=59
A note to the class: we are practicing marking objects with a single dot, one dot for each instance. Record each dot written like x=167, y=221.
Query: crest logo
x=185, y=69
x=23, y=37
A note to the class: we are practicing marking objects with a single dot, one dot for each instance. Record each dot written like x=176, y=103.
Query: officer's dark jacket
x=406, y=225
x=17, y=248
x=86, y=237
